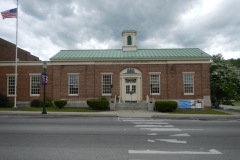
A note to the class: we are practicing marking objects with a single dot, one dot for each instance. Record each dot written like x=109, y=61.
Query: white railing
x=147, y=98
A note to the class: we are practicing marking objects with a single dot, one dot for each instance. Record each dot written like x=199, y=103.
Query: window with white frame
x=10, y=85
x=73, y=84
x=35, y=84
x=155, y=84
x=188, y=82
x=106, y=84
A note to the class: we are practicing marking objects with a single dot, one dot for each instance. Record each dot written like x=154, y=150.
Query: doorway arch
x=131, y=85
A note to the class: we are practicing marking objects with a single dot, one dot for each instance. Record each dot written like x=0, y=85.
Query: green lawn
x=198, y=111
x=50, y=109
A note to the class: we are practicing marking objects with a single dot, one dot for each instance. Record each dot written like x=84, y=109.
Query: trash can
x=151, y=104
x=112, y=104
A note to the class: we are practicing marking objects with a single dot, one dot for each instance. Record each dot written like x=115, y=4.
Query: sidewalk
x=125, y=113
x=59, y=114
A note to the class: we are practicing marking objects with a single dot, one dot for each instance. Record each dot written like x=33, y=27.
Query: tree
x=225, y=81
x=217, y=58
x=235, y=62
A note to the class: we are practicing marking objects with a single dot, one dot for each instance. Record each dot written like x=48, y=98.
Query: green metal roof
x=140, y=54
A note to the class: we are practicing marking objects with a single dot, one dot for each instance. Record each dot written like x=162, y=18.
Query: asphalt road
x=106, y=138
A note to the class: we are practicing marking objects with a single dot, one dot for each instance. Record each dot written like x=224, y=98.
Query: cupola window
x=129, y=40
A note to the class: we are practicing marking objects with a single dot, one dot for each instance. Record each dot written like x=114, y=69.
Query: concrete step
x=131, y=106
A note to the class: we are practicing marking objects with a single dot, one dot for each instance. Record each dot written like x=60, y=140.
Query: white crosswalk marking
x=162, y=129
x=211, y=151
x=154, y=126
x=171, y=140
x=180, y=135
x=149, y=140
x=152, y=134
x=157, y=126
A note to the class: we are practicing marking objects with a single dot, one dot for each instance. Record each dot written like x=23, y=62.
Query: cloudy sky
x=48, y=26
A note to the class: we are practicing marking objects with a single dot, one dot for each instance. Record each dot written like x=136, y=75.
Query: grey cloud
x=104, y=19
x=73, y=23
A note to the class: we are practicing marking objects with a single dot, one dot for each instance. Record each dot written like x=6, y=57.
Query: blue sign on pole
x=44, y=78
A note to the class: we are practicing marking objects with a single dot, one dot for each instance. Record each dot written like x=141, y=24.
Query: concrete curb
x=58, y=114
x=137, y=114
x=198, y=117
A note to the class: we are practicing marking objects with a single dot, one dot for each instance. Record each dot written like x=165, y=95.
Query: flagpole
x=15, y=97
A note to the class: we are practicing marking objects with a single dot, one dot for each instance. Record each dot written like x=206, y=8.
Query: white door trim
x=135, y=74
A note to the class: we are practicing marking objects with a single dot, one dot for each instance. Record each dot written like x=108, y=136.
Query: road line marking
x=180, y=135
x=149, y=123
x=162, y=129
x=160, y=126
x=211, y=151
x=152, y=134
x=149, y=140
x=171, y=141
x=139, y=120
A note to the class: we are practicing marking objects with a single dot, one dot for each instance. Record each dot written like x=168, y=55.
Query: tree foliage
x=235, y=62
x=225, y=81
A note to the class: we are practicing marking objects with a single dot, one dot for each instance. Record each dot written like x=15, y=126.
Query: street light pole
x=44, y=82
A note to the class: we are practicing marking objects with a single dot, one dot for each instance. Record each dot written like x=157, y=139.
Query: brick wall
x=171, y=81
x=8, y=52
x=23, y=88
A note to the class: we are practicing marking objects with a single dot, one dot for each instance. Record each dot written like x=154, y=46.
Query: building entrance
x=131, y=85
x=131, y=90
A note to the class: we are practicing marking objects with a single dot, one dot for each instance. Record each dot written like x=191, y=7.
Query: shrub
x=48, y=102
x=35, y=103
x=227, y=102
x=10, y=103
x=5, y=102
x=98, y=104
x=60, y=103
x=165, y=106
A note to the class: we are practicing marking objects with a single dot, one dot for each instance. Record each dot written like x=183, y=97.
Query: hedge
x=5, y=102
x=98, y=104
x=38, y=103
x=60, y=103
x=165, y=106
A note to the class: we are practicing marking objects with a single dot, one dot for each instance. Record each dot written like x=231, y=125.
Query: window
x=155, y=84
x=188, y=79
x=127, y=89
x=11, y=85
x=129, y=40
x=35, y=84
x=73, y=80
x=107, y=84
x=133, y=88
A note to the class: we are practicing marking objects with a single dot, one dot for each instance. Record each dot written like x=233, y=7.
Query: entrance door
x=130, y=85
x=131, y=90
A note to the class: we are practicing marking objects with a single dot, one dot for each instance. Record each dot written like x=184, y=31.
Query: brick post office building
x=129, y=74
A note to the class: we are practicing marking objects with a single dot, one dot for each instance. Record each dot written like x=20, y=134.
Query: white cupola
x=129, y=40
